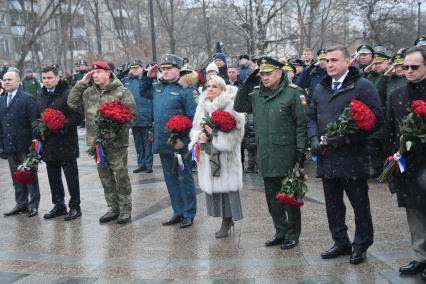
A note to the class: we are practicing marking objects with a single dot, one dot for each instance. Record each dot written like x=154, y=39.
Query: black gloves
x=252, y=80
x=316, y=147
x=338, y=141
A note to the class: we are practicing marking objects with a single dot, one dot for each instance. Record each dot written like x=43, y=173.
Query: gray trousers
x=23, y=191
x=417, y=225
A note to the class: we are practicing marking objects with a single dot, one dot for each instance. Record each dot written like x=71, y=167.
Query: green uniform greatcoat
x=114, y=177
x=280, y=125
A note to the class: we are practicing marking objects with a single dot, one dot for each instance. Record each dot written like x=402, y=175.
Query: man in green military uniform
x=364, y=55
x=31, y=85
x=114, y=176
x=281, y=139
x=375, y=74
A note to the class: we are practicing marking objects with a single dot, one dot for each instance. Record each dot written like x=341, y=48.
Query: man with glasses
x=344, y=164
x=280, y=124
x=410, y=186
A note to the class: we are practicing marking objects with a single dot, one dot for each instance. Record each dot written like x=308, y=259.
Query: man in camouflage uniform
x=114, y=176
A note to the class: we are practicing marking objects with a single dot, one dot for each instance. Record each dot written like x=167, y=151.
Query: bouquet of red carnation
x=413, y=132
x=293, y=188
x=178, y=126
x=356, y=118
x=221, y=120
x=52, y=120
x=27, y=171
x=111, y=118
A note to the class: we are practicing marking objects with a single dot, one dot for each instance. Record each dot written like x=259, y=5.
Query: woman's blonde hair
x=217, y=81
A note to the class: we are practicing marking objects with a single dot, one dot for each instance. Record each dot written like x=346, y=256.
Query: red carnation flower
x=54, y=119
x=179, y=123
x=24, y=177
x=116, y=111
x=419, y=107
x=363, y=116
x=224, y=120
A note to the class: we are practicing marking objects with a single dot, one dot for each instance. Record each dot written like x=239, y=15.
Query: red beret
x=99, y=65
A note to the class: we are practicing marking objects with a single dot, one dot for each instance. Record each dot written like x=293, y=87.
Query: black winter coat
x=351, y=159
x=17, y=123
x=410, y=186
x=62, y=145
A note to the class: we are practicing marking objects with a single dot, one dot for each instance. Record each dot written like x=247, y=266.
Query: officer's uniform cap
x=366, y=49
x=267, y=64
x=171, y=60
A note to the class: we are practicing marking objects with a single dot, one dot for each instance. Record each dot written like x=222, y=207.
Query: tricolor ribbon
x=399, y=159
x=195, y=152
x=37, y=146
x=100, y=156
x=180, y=162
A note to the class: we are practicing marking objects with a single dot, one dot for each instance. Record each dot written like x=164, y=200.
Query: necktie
x=9, y=99
x=336, y=85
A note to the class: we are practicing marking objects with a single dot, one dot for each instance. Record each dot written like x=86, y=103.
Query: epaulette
x=294, y=86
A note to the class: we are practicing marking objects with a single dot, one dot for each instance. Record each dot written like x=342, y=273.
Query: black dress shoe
x=73, y=214
x=274, y=242
x=358, y=257
x=336, y=251
x=173, y=220
x=55, y=212
x=424, y=275
x=16, y=210
x=148, y=170
x=289, y=244
x=140, y=169
x=413, y=267
x=187, y=222
x=32, y=212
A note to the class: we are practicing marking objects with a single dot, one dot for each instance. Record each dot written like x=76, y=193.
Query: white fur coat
x=228, y=144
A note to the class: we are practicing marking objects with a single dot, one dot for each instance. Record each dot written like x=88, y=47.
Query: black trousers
x=357, y=192
x=56, y=186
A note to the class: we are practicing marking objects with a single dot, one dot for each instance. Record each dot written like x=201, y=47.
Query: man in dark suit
x=18, y=117
x=60, y=149
x=344, y=165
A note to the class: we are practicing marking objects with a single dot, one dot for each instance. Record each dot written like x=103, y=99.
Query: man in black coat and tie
x=60, y=149
x=18, y=118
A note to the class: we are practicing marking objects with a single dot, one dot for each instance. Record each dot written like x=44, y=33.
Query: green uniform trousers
x=115, y=181
x=287, y=219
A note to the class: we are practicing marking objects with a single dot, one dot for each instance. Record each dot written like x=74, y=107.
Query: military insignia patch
x=303, y=99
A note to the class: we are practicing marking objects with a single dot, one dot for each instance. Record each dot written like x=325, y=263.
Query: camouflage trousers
x=115, y=181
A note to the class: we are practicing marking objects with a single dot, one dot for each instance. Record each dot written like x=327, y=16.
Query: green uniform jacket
x=32, y=86
x=92, y=97
x=280, y=124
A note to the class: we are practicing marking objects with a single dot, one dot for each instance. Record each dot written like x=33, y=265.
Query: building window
x=2, y=20
x=4, y=47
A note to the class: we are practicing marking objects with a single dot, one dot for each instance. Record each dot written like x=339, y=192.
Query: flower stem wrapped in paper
x=111, y=118
x=178, y=126
x=293, y=187
x=356, y=119
x=413, y=132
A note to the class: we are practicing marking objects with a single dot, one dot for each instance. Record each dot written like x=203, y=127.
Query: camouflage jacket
x=92, y=97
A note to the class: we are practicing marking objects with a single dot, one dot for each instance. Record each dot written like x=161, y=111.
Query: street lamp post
x=418, y=20
x=153, y=44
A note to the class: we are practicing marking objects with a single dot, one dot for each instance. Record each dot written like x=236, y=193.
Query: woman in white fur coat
x=220, y=183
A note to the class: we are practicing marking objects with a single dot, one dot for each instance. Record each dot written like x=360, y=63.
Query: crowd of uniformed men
x=287, y=103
